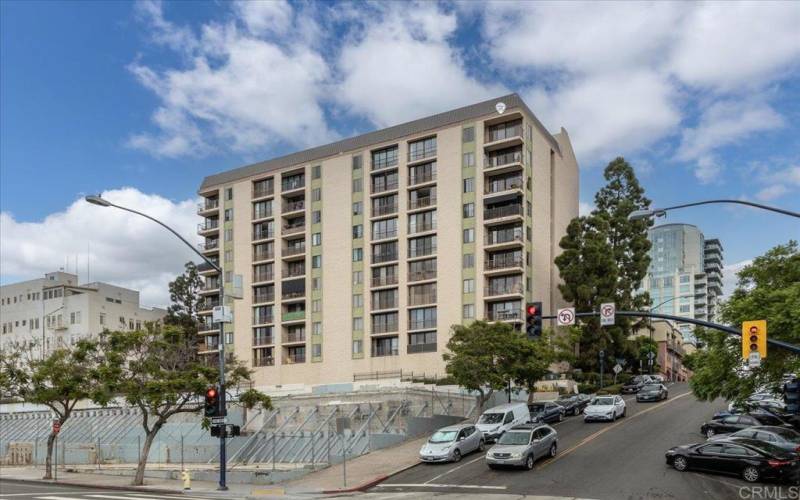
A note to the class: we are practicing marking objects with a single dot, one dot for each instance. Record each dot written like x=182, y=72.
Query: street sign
x=607, y=314
x=218, y=420
x=650, y=355
x=56, y=426
x=754, y=359
x=617, y=368
x=566, y=316
x=602, y=354
x=221, y=314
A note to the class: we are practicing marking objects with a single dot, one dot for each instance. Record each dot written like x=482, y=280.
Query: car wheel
x=553, y=450
x=456, y=456
x=529, y=462
x=710, y=432
x=750, y=474
x=680, y=463
x=481, y=445
x=560, y=417
x=614, y=417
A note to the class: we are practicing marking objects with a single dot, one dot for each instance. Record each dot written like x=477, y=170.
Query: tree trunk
x=48, y=463
x=138, y=480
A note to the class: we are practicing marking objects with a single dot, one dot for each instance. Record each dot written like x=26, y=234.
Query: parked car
x=750, y=459
x=734, y=423
x=522, y=445
x=788, y=439
x=634, y=385
x=495, y=421
x=657, y=378
x=574, y=405
x=546, y=411
x=605, y=408
x=449, y=444
x=761, y=400
x=652, y=392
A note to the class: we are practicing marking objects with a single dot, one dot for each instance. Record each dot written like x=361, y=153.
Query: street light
x=661, y=212
x=102, y=202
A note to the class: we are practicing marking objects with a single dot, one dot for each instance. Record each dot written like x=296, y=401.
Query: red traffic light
x=531, y=310
x=211, y=393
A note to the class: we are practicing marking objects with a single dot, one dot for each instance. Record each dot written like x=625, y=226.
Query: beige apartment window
x=102, y=319
x=469, y=286
x=469, y=311
x=358, y=277
x=358, y=208
x=358, y=346
x=228, y=256
x=358, y=185
x=468, y=134
x=316, y=305
x=469, y=235
x=316, y=194
x=316, y=328
x=358, y=324
x=357, y=162
x=469, y=185
x=469, y=160
x=468, y=261
x=316, y=283
x=358, y=301
x=316, y=172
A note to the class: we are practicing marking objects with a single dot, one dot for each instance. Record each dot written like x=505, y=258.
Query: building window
x=422, y=318
x=358, y=231
x=316, y=328
x=358, y=185
x=316, y=305
x=357, y=162
x=316, y=217
x=420, y=247
x=316, y=350
x=468, y=134
x=102, y=319
x=468, y=261
x=469, y=286
x=358, y=208
x=316, y=261
x=316, y=239
x=469, y=185
x=358, y=254
x=358, y=277
x=469, y=311
x=685, y=278
x=383, y=158
x=229, y=193
x=469, y=210
x=469, y=235
x=228, y=214
x=316, y=171
x=358, y=346
x=469, y=160
x=421, y=149
x=358, y=324
x=316, y=283
x=685, y=309
x=358, y=301
x=228, y=255
x=529, y=209
x=316, y=194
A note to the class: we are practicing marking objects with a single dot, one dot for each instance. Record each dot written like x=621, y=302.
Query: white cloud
x=585, y=208
x=778, y=181
x=125, y=249
x=262, y=16
x=772, y=192
x=729, y=278
x=403, y=67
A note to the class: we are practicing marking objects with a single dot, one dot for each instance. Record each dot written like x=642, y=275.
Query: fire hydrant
x=187, y=479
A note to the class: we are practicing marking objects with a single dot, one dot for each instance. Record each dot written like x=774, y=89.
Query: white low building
x=57, y=310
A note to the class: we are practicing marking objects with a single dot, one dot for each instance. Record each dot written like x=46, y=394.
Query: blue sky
x=141, y=100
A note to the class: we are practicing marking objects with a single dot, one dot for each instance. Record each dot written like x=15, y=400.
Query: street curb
x=115, y=487
x=369, y=484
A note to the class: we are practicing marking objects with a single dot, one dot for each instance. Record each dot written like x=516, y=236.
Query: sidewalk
x=362, y=472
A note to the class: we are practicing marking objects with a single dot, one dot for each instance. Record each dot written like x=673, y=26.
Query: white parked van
x=495, y=421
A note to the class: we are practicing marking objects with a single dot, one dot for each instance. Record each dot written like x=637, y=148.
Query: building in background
x=56, y=311
x=672, y=347
x=357, y=257
x=685, y=274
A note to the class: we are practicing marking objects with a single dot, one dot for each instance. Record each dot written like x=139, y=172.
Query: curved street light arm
x=740, y=202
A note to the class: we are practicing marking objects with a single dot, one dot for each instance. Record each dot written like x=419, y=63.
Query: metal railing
x=294, y=184
x=421, y=299
x=259, y=277
x=294, y=206
x=390, y=327
x=384, y=186
x=502, y=133
x=293, y=228
x=293, y=316
x=492, y=291
x=293, y=359
x=210, y=245
x=421, y=228
x=504, y=185
x=384, y=209
x=421, y=154
x=293, y=272
x=261, y=191
x=413, y=180
x=263, y=235
x=294, y=294
x=502, y=262
x=426, y=201
x=422, y=252
x=208, y=205
x=505, y=211
x=422, y=275
x=261, y=298
x=208, y=225
x=264, y=319
x=384, y=280
x=294, y=337
x=294, y=249
x=498, y=237
x=384, y=257
x=504, y=315
x=501, y=160
x=416, y=348
x=257, y=256
x=422, y=325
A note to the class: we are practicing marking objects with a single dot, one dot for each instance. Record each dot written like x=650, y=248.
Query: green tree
x=532, y=358
x=159, y=371
x=604, y=259
x=184, y=294
x=769, y=288
x=482, y=356
x=58, y=381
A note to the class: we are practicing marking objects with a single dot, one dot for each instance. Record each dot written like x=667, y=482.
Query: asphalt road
x=621, y=460
x=13, y=490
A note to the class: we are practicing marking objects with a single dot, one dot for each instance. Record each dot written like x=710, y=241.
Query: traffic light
x=791, y=396
x=212, y=402
x=533, y=320
x=754, y=338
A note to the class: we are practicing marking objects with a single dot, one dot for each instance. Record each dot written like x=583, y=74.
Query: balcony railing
x=210, y=285
x=293, y=228
x=294, y=250
x=208, y=225
x=498, y=237
x=292, y=359
x=422, y=275
x=382, y=235
x=422, y=154
x=292, y=294
x=208, y=205
x=426, y=201
x=207, y=305
x=264, y=361
x=261, y=191
x=294, y=206
x=504, y=315
x=261, y=214
x=501, y=186
x=295, y=337
x=422, y=178
x=417, y=348
x=293, y=316
x=422, y=299
x=499, y=212
x=384, y=280
x=260, y=298
x=293, y=184
x=208, y=245
x=378, y=352
x=493, y=290
x=421, y=228
x=205, y=267
x=263, y=319
x=421, y=325
x=259, y=277
x=502, y=262
x=500, y=133
x=293, y=272
x=384, y=257
x=384, y=304
x=207, y=326
x=384, y=327
x=263, y=235
x=257, y=256
x=384, y=209
x=502, y=159
x=263, y=340
x=422, y=252
x=384, y=186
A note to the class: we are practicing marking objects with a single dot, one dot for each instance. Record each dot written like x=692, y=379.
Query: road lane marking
x=41, y=493
x=438, y=485
x=455, y=469
x=602, y=431
x=54, y=497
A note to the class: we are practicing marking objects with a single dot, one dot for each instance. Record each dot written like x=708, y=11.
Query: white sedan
x=605, y=408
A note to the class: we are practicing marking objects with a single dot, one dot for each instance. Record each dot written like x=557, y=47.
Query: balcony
x=209, y=225
x=384, y=257
x=384, y=235
x=207, y=205
x=210, y=286
x=379, y=352
x=263, y=298
x=294, y=250
x=293, y=359
x=381, y=210
x=423, y=178
x=293, y=228
x=384, y=280
x=422, y=154
x=208, y=246
x=502, y=134
x=207, y=327
x=207, y=305
x=426, y=201
x=422, y=325
x=496, y=290
x=263, y=235
x=417, y=348
x=502, y=262
x=380, y=305
x=495, y=187
x=293, y=316
x=264, y=319
x=260, y=340
x=294, y=206
x=515, y=210
x=505, y=315
x=422, y=299
x=390, y=327
x=384, y=187
x=261, y=277
x=293, y=272
x=205, y=267
x=293, y=294
x=502, y=160
x=263, y=191
x=422, y=228
x=268, y=361
x=422, y=275
x=294, y=337
x=261, y=256
x=502, y=237
x=422, y=252
x=291, y=185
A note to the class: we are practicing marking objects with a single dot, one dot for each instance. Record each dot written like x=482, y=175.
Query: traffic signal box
x=212, y=403
x=791, y=396
x=533, y=320
x=754, y=338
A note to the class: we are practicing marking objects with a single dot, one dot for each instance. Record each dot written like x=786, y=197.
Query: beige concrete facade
x=390, y=305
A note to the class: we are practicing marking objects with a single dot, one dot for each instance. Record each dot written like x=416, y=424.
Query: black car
x=574, y=405
x=652, y=392
x=546, y=412
x=734, y=423
x=634, y=385
x=787, y=439
x=750, y=459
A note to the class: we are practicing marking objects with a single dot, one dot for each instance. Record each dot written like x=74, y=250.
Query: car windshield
x=443, y=436
x=536, y=407
x=787, y=434
x=651, y=387
x=491, y=418
x=567, y=401
x=512, y=438
x=603, y=402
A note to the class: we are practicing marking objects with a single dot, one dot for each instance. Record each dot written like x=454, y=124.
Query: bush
x=587, y=388
x=611, y=389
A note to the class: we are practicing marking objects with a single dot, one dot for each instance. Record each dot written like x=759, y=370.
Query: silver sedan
x=449, y=444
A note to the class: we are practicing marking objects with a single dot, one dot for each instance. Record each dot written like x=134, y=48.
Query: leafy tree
x=604, y=259
x=183, y=292
x=532, y=358
x=481, y=357
x=57, y=381
x=769, y=288
x=158, y=371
